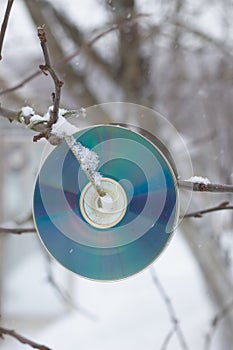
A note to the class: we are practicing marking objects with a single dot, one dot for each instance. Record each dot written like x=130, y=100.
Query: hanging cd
x=141, y=208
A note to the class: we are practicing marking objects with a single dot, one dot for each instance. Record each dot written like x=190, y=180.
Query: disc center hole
x=104, y=211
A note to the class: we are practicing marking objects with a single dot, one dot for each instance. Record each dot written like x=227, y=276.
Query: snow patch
x=199, y=179
x=89, y=159
x=63, y=128
x=83, y=112
x=27, y=111
x=38, y=118
x=97, y=178
x=60, y=129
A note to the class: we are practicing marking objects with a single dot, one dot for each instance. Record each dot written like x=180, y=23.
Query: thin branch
x=9, y=114
x=22, y=83
x=172, y=314
x=4, y=24
x=48, y=67
x=168, y=338
x=114, y=27
x=63, y=294
x=201, y=187
x=21, y=339
x=215, y=322
x=75, y=34
x=89, y=44
x=76, y=81
x=198, y=214
x=215, y=42
x=76, y=53
x=17, y=231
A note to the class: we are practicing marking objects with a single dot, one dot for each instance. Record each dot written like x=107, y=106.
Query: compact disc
x=140, y=211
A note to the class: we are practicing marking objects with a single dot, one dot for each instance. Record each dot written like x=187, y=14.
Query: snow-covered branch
x=201, y=185
x=41, y=123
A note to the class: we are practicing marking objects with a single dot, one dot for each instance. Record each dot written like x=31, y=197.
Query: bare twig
x=4, y=24
x=168, y=338
x=76, y=53
x=201, y=187
x=172, y=315
x=63, y=294
x=202, y=35
x=9, y=114
x=22, y=83
x=48, y=67
x=21, y=339
x=76, y=35
x=111, y=29
x=215, y=322
x=198, y=214
x=17, y=231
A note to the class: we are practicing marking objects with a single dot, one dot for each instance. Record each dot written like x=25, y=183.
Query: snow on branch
x=199, y=179
x=203, y=185
x=89, y=162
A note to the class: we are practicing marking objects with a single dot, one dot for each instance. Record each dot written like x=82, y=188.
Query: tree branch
x=17, y=231
x=21, y=83
x=215, y=322
x=4, y=24
x=64, y=294
x=215, y=42
x=172, y=314
x=198, y=214
x=9, y=114
x=43, y=128
x=168, y=338
x=201, y=187
x=21, y=339
x=75, y=34
x=48, y=67
x=76, y=53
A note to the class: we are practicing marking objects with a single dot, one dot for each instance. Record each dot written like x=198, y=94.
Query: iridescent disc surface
x=144, y=228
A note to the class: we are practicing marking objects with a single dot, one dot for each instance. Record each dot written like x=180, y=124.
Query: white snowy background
x=129, y=314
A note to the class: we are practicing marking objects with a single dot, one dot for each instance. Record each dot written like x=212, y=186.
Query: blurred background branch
x=4, y=24
x=172, y=314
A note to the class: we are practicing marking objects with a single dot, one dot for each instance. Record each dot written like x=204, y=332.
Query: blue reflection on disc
x=146, y=227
